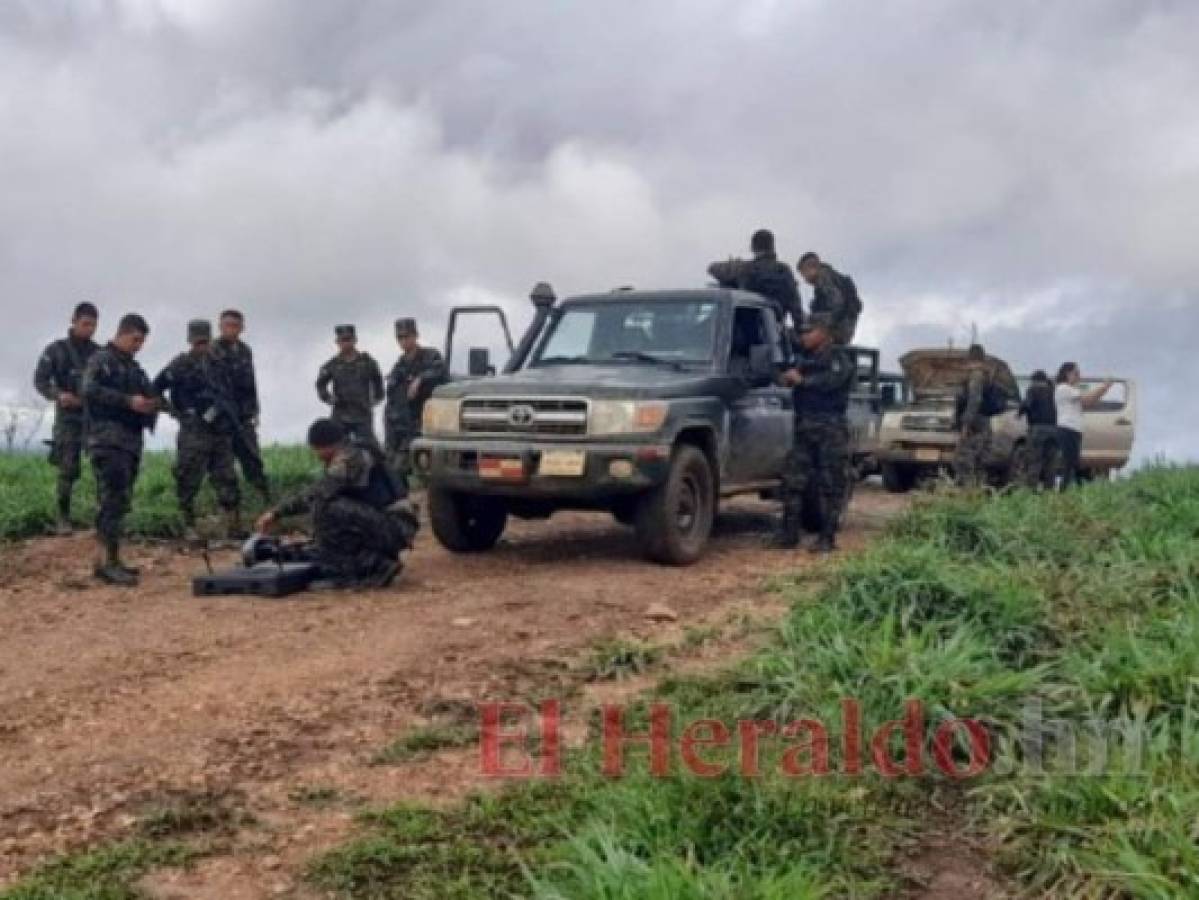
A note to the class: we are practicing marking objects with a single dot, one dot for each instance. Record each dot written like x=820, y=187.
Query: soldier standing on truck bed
x=836, y=296
x=409, y=384
x=59, y=378
x=357, y=388
x=822, y=378
x=236, y=360
x=200, y=398
x=764, y=275
x=119, y=403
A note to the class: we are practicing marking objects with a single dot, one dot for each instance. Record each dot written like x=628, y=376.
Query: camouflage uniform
x=200, y=399
x=833, y=293
x=974, y=444
x=236, y=362
x=357, y=388
x=764, y=275
x=1040, y=448
x=821, y=446
x=358, y=527
x=114, y=435
x=60, y=369
x=402, y=416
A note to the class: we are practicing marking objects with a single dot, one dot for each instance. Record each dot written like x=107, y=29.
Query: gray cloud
x=1033, y=170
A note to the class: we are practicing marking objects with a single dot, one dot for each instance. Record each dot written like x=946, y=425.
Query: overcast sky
x=1030, y=168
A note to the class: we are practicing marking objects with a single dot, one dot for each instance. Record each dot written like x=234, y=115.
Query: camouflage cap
x=199, y=330
x=345, y=331
x=406, y=328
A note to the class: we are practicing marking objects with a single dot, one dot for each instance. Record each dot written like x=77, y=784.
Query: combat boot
x=788, y=534
x=826, y=543
x=110, y=569
x=62, y=525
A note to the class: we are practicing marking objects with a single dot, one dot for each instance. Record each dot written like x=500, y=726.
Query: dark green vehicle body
x=702, y=378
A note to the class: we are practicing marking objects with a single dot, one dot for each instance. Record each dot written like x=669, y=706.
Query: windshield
x=672, y=332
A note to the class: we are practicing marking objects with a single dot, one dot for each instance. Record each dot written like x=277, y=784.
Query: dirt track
x=109, y=699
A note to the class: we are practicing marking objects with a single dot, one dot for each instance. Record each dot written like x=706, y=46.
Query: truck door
x=760, y=427
x=480, y=336
x=1108, y=426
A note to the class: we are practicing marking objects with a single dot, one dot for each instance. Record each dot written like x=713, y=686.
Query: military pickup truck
x=917, y=437
x=650, y=405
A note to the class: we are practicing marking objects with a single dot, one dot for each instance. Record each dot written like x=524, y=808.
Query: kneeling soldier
x=201, y=399
x=360, y=521
x=119, y=404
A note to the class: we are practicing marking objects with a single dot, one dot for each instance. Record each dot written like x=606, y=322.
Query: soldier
x=200, y=398
x=764, y=275
x=836, y=296
x=821, y=379
x=357, y=388
x=360, y=521
x=974, y=442
x=119, y=403
x=59, y=378
x=411, y=381
x=1040, y=448
x=235, y=358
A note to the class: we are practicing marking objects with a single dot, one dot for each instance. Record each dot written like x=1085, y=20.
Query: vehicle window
x=603, y=332
x=748, y=331
x=1113, y=401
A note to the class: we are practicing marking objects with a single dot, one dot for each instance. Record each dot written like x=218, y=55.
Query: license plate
x=563, y=463
x=928, y=454
x=502, y=468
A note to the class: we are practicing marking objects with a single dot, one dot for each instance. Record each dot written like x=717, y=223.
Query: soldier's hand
x=67, y=400
x=792, y=377
x=139, y=403
x=265, y=522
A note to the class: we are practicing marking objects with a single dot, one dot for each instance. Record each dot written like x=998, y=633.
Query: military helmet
x=199, y=330
x=406, y=328
x=345, y=331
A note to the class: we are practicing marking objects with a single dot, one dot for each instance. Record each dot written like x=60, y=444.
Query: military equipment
x=270, y=568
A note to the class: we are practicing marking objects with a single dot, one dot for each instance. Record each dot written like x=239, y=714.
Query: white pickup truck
x=917, y=438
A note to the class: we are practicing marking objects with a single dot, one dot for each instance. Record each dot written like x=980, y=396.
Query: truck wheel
x=464, y=523
x=898, y=478
x=675, y=519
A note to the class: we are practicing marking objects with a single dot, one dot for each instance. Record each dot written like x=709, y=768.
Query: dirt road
x=110, y=699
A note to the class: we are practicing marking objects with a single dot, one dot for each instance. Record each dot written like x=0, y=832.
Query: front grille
x=555, y=416
x=926, y=423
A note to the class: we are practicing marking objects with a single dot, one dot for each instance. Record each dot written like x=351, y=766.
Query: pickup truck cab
x=650, y=405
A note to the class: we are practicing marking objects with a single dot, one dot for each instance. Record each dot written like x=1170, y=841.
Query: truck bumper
x=511, y=469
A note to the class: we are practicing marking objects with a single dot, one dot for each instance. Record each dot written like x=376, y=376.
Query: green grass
x=1083, y=603
x=107, y=873
x=27, y=490
x=425, y=741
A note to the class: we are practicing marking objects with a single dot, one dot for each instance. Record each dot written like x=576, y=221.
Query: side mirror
x=761, y=362
x=479, y=363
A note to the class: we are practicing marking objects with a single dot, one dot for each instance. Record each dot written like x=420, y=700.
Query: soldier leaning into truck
x=352, y=385
x=201, y=400
x=119, y=404
x=763, y=275
x=836, y=296
x=409, y=385
x=59, y=378
x=361, y=523
x=822, y=379
x=235, y=358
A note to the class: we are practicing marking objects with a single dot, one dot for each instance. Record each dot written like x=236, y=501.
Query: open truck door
x=479, y=362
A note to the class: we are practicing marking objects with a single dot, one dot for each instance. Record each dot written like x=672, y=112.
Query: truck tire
x=464, y=523
x=898, y=478
x=674, y=520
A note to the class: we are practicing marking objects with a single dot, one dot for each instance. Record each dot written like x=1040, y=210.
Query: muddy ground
x=111, y=700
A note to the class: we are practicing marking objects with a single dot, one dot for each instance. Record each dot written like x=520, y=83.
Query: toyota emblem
x=521, y=416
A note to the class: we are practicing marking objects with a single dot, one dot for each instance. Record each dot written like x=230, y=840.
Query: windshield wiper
x=562, y=360
x=641, y=356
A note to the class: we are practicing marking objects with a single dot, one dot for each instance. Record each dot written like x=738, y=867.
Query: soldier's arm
x=837, y=302
x=831, y=374
x=974, y=396
x=163, y=387
x=97, y=388
x=726, y=273
x=43, y=376
x=790, y=299
x=322, y=385
x=335, y=479
x=434, y=367
x=376, y=383
x=251, y=386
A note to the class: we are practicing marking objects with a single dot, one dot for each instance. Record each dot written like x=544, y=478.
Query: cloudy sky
x=1029, y=168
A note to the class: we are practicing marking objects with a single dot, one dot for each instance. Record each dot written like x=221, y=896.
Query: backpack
x=853, y=303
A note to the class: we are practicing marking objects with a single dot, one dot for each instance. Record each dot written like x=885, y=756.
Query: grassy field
x=1084, y=606
x=27, y=492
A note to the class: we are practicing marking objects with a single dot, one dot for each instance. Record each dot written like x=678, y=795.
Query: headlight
x=610, y=417
x=441, y=416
